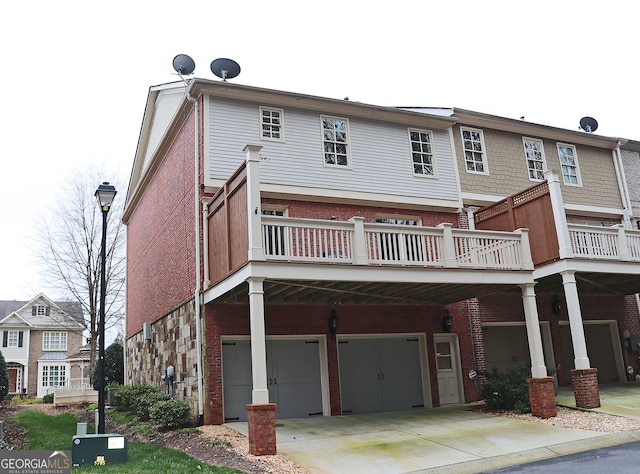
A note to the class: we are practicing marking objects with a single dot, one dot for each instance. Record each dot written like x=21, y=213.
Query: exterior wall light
x=333, y=324
x=556, y=305
x=447, y=321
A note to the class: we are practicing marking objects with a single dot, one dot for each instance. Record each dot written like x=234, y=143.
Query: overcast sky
x=75, y=75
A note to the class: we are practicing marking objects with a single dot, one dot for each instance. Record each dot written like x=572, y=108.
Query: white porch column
x=260, y=393
x=575, y=320
x=538, y=369
x=254, y=218
x=559, y=215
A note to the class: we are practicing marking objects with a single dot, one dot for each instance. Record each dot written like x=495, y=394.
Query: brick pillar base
x=261, y=421
x=585, y=387
x=542, y=394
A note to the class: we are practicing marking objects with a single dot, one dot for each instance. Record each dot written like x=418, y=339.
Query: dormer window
x=40, y=310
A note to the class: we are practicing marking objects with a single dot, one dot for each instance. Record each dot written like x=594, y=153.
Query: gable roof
x=68, y=309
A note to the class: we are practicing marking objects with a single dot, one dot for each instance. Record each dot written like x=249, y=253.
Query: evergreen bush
x=48, y=398
x=127, y=397
x=171, y=413
x=145, y=403
x=4, y=378
x=508, y=390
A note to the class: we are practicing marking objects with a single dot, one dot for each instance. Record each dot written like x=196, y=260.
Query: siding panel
x=380, y=154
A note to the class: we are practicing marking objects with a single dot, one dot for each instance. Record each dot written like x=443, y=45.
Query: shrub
x=48, y=398
x=145, y=403
x=126, y=397
x=171, y=413
x=509, y=390
x=4, y=377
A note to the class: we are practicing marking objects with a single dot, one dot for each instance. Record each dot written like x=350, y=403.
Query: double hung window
x=422, y=152
x=569, y=164
x=335, y=141
x=475, y=158
x=534, y=154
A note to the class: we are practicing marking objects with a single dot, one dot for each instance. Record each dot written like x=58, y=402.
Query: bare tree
x=69, y=239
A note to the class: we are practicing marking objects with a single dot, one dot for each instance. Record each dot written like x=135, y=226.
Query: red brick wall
x=354, y=319
x=508, y=308
x=161, y=236
x=343, y=212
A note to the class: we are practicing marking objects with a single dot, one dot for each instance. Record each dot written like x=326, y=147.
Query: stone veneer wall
x=173, y=342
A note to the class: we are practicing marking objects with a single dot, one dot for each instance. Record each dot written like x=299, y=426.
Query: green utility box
x=98, y=449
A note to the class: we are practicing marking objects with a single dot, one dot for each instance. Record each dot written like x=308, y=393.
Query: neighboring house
x=37, y=336
x=291, y=256
x=567, y=188
x=630, y=171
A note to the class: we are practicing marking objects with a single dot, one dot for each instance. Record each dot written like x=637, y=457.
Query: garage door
x=380, y=374
x=293, y=377
x=600, y=350
x=505, y=347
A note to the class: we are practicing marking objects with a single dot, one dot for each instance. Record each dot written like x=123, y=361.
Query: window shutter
x=47, y=310
x=20, y=338
x=33, y=310
x=5, y=335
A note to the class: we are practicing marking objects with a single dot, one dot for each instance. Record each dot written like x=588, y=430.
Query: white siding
x=380, y=154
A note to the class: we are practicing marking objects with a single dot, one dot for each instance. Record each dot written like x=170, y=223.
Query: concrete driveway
x=451, y=439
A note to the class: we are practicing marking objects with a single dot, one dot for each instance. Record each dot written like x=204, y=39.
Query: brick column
x=261, y=421
x=543, y=397
x=585, y=387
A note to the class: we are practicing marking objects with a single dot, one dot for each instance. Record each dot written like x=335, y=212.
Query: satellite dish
x=588, y=124
x=225, y=68
x=184, y=65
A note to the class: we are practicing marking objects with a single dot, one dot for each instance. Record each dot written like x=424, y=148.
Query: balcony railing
x=356, y=242
x=604, y=243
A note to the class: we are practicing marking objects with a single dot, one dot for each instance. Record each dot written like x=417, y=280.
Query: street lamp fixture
x=105, y=195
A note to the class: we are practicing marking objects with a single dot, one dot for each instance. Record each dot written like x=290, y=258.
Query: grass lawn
x=47, y=432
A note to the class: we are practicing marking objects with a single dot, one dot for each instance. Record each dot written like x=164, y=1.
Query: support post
x=254, y=217
x=570, y=286
x=261, y=415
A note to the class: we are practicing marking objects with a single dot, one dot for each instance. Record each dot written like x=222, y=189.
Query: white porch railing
x=75, y=391
x=605, y=243
x=356, y=242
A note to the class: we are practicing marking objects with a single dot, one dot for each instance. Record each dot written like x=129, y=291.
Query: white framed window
x=534, y=154
x=422, y=154
x=271, y=124
x=569, y=164
x=475, y=157
x=335, y=141
x=54, y=375
x=54, y=341
x=12, y=338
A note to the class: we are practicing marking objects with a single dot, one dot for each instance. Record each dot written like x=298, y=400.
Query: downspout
x=196, y=296
x=622, y=185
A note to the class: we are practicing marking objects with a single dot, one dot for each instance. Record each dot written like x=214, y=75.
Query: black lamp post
x=104, y=194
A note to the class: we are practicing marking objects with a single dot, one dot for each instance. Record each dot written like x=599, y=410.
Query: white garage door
x=380, y=374
x=293, y=377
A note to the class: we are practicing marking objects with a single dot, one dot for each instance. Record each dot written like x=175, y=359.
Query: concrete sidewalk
x=452, y=439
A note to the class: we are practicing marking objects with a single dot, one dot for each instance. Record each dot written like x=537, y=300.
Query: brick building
x=294, y=256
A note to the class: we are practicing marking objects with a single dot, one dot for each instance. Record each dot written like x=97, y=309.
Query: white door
x=448, y=370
